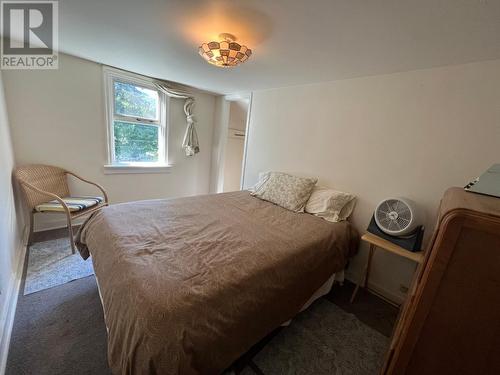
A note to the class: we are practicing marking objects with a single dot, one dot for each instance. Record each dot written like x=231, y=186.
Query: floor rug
x=324, y=339
x=51, y=263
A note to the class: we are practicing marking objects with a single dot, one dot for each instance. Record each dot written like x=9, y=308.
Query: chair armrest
x=91, y=183
x=52, y=195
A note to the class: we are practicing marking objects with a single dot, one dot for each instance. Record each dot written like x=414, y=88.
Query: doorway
x=235, y=144
x=231, y=124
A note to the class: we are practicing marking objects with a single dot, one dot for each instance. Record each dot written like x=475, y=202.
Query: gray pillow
x=285, y=190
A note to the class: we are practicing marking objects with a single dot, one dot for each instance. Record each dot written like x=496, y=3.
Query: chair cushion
x=74, y=204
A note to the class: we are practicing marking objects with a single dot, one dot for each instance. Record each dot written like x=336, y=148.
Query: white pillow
x=285, y=190
x=331, y=205
x=263, y=176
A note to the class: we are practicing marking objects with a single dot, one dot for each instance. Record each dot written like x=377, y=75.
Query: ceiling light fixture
x=226, y=53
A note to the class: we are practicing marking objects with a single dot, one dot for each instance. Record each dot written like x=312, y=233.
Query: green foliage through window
x=135, y=101
x=135, y=142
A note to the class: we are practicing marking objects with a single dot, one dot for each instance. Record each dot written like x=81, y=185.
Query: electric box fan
x=397, y=220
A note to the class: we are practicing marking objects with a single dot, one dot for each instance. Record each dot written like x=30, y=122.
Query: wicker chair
x=46, y=190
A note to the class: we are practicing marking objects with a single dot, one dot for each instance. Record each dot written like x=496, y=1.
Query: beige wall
x=238, y=110
x=409, y=134
x=10, y=229
x=233, y=160
x=57, y=117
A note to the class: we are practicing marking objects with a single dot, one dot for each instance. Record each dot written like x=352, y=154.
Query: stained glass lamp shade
x=226, y=53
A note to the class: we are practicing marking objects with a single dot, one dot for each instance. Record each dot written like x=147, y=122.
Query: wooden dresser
x=450, y=323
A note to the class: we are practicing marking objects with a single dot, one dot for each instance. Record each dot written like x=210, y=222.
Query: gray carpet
x=323, y=340
x=51, y=263
x=59, y=331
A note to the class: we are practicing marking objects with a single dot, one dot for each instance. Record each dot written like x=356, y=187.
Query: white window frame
x=112, y=167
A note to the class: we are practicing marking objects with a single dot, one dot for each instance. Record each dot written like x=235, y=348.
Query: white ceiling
x=294, y=41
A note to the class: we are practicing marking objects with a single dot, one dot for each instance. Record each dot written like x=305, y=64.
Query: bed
x=190, y=284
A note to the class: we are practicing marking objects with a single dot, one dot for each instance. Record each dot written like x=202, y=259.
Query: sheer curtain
x=190, y=143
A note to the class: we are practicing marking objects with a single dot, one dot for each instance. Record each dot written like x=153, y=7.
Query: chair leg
x=71, y=238
x=31, y=230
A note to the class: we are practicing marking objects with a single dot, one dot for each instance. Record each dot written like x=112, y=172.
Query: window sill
x=131, y=169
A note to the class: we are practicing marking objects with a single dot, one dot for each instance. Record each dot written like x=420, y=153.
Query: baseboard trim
x=12, y=296
x=383, y=292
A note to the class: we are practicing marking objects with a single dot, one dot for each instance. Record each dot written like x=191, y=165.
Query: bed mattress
x=190, y=284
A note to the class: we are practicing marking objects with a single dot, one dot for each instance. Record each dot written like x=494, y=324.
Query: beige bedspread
x=190, y=284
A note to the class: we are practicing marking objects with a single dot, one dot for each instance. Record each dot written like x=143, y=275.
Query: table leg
x=366, y=273
x=368, y=265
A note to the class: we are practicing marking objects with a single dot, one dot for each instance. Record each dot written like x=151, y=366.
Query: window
x=136, y=121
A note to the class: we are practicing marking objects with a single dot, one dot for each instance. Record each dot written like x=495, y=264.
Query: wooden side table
x=377, y=242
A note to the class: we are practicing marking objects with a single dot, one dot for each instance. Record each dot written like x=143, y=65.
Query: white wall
x=58, y=117
x=408, y=134
x=10, y=229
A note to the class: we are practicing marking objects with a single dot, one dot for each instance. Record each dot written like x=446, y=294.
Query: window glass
x=135, y=142
x=135, y=101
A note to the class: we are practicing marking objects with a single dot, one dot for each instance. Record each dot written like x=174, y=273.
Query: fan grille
x=394, y=215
